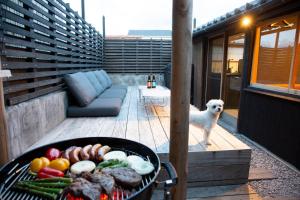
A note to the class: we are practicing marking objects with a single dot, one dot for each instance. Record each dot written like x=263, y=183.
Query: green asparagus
x=43, y=189
x=47, y=195
x=49, y=184
x=51, y=180
x=114, y=163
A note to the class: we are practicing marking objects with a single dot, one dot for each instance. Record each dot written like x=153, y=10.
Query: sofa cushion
x=95, y=82
x=81, y=88
x=101, y=78
x=107, y=78
x=123, y=87
x=113, y=93
x=100, y=107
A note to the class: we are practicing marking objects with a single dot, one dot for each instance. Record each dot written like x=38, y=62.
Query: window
x=217, y=53
x=276, y=55
x=235, y=54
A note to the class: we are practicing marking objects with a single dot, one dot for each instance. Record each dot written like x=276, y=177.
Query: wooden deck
x=225, y=161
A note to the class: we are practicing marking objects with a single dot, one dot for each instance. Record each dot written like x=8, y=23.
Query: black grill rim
x=120, y=143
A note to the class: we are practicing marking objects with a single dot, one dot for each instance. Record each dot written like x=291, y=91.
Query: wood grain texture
x=4, y=148
x=240, y=192
x=30, y=121
x=36, y=48
x=180, y=92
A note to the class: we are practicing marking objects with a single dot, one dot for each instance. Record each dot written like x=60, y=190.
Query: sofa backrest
x=81, y=88
x=108, y=80
x=95, y=82
x=103, y=80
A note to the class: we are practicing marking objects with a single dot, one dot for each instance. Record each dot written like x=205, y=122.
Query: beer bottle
x=153, y=82
x=149, y=85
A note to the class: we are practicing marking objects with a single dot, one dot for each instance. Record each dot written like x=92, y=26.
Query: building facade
x=250, y=58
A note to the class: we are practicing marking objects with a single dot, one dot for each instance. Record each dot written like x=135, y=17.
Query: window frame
x=294, y=61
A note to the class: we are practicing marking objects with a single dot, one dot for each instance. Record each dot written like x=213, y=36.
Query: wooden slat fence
x=41, y=40
x=136, y=55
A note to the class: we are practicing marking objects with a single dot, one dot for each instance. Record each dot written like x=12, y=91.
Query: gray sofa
x=93, y=95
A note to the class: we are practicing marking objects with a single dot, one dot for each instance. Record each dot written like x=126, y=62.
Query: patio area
x=269, y=178
x=253, y=152
x=226, y=161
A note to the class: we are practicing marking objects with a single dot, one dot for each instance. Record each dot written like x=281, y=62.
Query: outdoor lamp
x=246, y=21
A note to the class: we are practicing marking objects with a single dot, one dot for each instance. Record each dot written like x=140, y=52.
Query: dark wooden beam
x=180, y=92
x=82, y=9
x=103, y=27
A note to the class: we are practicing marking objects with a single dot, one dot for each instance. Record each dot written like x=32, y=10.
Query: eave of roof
x=254, y=7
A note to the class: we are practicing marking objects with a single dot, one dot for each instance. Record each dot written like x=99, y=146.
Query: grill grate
x=18, y=173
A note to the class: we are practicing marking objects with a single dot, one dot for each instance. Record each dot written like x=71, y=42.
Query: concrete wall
x=31, y=120
x=135, y=79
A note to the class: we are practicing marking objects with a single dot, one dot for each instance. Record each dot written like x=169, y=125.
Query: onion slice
x=141, y=166
x=83, y=166
x=118, y=155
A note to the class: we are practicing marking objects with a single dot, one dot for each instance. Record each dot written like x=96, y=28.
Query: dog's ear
x=221, y=102
x=208, y=103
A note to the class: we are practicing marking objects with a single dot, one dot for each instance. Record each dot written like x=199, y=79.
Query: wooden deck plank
x=120, y=127
x=107, y=127
x=230, y=138
x=132, y=131
x=93, y=126
x=234, y=197
x=146, y=136
x=50, y=137
x=75, y=130
x=259, y=174
x=217, y=192
x=159, y=135
x=198, y=134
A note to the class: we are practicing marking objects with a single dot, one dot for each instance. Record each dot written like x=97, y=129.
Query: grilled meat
x=84, y=188
x=125, y=177
x=106, y=181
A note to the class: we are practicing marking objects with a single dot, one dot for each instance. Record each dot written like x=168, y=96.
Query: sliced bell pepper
x=47, y=172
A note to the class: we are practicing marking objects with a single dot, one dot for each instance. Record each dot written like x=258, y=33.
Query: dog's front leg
x=206, y=137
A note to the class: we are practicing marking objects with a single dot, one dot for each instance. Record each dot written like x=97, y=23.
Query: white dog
x=208, y=118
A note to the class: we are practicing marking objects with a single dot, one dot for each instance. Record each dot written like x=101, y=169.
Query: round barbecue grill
x=17, y=169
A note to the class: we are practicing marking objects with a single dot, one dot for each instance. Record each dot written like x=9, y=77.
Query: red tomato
x=53, y=153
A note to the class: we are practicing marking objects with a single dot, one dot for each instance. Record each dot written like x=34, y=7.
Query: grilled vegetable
x=141, y=166
x=83, y=166
x=51, y=180
x=38, y=163
x=114, y=163
x=43, y=189
x=47, y=172
x=37, y=192
x=119, y=155
x=61, y=164
x=44, y=175
x=50, y=184
x=53, y=153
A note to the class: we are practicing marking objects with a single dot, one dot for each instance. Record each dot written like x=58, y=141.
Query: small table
x=159, y=92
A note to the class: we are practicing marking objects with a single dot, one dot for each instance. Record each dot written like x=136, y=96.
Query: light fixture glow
x=246, y=21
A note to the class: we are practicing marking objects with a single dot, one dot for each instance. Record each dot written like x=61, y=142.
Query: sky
x=124, y=15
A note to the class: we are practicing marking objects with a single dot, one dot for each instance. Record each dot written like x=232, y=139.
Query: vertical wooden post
x=103, y=27
x=3, y=125
x=82, y=9
x=180, y=92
